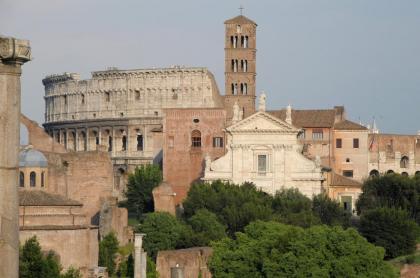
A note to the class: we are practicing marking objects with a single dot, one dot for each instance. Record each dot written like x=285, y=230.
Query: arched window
x=404, y=162
x=374, y=173
x=245, y=92
x=110, y=144
x=196, y=139
x=42, y=179
x=124, y=143
x=32, y=179
x=137, y=95
x=417, y=174
x=21, y=179
x=139, y=142
x=404, y=174
x=83, y=99
x=389, y=172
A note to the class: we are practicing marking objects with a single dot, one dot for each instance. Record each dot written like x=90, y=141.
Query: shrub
x=108, y=248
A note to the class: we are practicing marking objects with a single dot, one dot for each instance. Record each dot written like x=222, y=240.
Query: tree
x=272, y=249
x=33, y=264
x=235, y=206
x=72, y=273
x=205, y=227
x=392, y=191
x=139, y=189
x=390, y=228
x=108, y=248
x=292, y=207
x=163, y=232
x=329, y=211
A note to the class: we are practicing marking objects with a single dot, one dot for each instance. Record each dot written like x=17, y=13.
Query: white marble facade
x=264, y=150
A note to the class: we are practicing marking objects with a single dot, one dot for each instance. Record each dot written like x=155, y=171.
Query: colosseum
x=122, y=110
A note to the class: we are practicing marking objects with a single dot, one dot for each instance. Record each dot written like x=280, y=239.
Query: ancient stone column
x=139, y=264
x=13, y=53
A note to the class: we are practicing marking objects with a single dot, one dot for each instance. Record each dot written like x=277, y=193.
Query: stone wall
x=190, y=262
x=76, y=246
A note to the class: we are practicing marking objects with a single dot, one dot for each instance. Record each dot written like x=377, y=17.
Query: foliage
x=390, y=228
x=126, y=267
x=72, y=273
x=271, y=249
x=151, y=269
x=292, y=207
x=139, y=189
x=205, y=228
x=163, y=232
x=33, y=264
x=108, y=248
x=329, y=211
x=393, y=191
x=236, y=206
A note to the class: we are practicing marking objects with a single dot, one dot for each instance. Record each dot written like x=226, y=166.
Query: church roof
x=308, y=118
x=240, y=19
x=348, y=125
x=42, y=198
x=339, y=180
x=29, y=157
x=253, y=124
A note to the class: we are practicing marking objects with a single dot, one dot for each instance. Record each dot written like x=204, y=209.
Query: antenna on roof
x=241, y=8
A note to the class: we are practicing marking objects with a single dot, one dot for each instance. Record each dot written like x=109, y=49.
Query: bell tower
x=240, y=65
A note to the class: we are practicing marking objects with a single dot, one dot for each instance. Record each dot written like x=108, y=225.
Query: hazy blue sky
x=364, y=54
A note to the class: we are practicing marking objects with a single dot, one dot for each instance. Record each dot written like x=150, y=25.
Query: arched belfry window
x=32, y=179
x=196, y=139
x=404, y=162
x=21, y=179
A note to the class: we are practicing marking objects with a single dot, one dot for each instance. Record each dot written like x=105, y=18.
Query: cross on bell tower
x=240, y=64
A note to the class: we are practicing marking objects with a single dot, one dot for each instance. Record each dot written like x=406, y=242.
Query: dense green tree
x=292, y=207
x=236, y=206
x=139, y=189
x=329, y=211
x=108, y=248
x=163, y=232
x=272, y=249
x=390, y=228
x=205, y=228
x=33, y=264
x=393, y=191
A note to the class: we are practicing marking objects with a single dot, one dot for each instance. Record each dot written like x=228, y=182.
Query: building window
x=338, y=143
x=21, y=179
x=404, y=162
x=196, y=139
x=317, y=134
x=347, y=203
x=374, y=173
x=83, y=99
x=238, y=29
x=110, y=144
x=217, y=142
x=32, y=179
x=139, y=142
x=348, y=173
x=348, y=160
x=137, y=95
x=42, y=179
x=124, y=143
x=404, y=174
x=262, y=164
x=107, y=97
x=356, y=143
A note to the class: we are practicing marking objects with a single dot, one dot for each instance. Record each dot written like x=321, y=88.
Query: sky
x=312, y=54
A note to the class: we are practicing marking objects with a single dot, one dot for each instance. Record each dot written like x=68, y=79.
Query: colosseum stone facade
x=122, y=110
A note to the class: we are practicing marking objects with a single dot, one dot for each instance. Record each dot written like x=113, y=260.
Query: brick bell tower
x=240, y=65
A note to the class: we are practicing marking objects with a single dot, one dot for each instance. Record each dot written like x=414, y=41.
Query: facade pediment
x=262, y=122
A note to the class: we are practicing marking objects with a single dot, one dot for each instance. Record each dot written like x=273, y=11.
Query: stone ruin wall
x=128, y=93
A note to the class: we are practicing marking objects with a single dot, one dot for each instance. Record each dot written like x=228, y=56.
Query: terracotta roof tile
x=308, y=118
x=339, y=180
x=348, y=125
x=41, y=198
